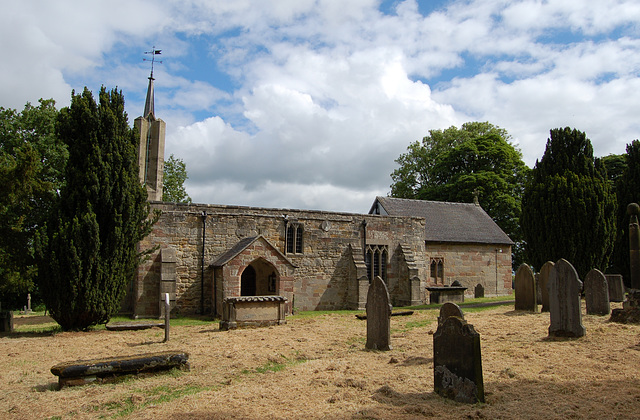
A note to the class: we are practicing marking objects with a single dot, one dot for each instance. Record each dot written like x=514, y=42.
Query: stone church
x=318, y=260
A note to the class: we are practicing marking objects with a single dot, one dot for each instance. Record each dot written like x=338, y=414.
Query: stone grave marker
x=616, y=287
x=544, y=282
x=378, y=316
x=596, y=293
x=478, y=292
x=564, y=301
x=447, y=310
x=457, y=362
x=525, y=286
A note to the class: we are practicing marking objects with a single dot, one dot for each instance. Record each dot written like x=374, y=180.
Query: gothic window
x=437, y=270
x=294, y=238
x=376, y=261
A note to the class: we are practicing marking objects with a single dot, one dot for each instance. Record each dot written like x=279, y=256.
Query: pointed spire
x=149, y=112
x=148, y=104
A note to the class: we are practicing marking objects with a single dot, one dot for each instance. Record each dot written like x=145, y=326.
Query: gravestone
x=6, y=321
x=447, y=310
x=616, y=287
x=564, y=301
x=478, y=292
x=378, y=316
x=596, y=293
x=525, y=286
x=457, y=362
x=543, y=279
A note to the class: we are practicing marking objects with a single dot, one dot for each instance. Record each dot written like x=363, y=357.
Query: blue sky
x=307, y=103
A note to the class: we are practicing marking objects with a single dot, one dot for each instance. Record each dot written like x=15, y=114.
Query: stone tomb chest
x=252, y=311
x=442, y=294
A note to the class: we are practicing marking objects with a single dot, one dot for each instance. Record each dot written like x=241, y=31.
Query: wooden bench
x=83, y=372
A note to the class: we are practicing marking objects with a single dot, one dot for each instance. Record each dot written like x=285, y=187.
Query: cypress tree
x=568, y=207
x=627, y=191
x=87, y=252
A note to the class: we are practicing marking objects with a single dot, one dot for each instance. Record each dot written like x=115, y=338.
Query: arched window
x=294, y=243
x=376, y=261
x=437, y=270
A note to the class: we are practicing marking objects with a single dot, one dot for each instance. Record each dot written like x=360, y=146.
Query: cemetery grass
x=316, y=367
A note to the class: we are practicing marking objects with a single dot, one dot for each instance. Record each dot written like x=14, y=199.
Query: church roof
x=446, y=222
x=243, y=244
x=149, y=102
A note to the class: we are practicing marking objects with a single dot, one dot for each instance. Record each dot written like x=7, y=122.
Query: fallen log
x=399, y=313
x=127, y=326
x=82, y=372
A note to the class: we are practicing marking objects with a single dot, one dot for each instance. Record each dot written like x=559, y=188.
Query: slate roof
x=448, y=222
x=243, y=244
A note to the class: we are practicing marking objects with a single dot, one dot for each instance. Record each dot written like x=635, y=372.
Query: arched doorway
x=248, y=282
x=260, y=278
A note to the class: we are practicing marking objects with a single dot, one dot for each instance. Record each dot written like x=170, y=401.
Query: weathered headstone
x=457, y=361
x=525, y=286
x=564, y=301
x=543, y=279
x=478, y=292
x=447, y=310
x=28, y=310
x=596, y=293
x=378, y=316
x=6, y=321
x=616, y=287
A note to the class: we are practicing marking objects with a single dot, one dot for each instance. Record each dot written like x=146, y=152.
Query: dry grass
x=316, y=367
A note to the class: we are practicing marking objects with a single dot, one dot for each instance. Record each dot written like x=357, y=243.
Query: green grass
x=272, y=366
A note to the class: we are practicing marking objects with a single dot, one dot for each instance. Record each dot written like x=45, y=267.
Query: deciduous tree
x=175, y=174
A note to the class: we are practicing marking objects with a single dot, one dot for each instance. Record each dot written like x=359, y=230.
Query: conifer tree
x=87, y=252
x=627, y=191
x=568, y=207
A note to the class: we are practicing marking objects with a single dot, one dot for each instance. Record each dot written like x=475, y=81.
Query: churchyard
x=316, y=366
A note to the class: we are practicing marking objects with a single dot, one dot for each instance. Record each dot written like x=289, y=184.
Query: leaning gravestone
x=457, y=362
x=378, y=316
x=616, y=287
x=525, y=286
x=544, y=281
x=564, y=301
x=596, y=293
x=478, y=292
x=447, y=310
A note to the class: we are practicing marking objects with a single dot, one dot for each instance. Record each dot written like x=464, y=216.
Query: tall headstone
x=596, y=293
x=447, y=310
x=525, y=286
x=616, y=287
x=457, y=361
x=478, y=292
x=564, y=301
x=544, y=281
x=378, y=316
x=634, y=245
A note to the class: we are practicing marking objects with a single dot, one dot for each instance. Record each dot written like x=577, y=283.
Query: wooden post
x=167, y=310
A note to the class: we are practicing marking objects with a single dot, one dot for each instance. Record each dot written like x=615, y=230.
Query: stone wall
x=328, y=274
x=472, y=264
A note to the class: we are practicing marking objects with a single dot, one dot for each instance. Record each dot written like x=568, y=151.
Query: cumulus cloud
x=306, y=103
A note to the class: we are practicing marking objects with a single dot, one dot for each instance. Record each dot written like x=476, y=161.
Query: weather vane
x=153, y=60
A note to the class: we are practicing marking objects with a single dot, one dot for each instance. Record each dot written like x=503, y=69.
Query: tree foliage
x=568, y=208
x=175, y=174
x=87, y=252
x=627, y=187
x=31, y=165
x=453, y=164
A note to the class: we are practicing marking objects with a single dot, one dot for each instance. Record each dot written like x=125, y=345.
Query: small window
x=294, y=239
x=437, y=270
x=376, y=261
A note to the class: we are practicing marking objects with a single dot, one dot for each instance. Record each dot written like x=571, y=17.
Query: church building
x=317, y=260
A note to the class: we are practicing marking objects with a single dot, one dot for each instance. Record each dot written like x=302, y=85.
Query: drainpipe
x=204, y=231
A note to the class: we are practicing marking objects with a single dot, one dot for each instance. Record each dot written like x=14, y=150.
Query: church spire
x=149, y=111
